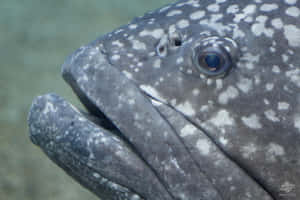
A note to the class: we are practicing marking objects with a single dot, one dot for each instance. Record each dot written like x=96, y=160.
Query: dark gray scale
x=202, y=98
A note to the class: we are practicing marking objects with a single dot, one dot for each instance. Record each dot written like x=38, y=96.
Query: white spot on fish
x=223, y=141
x=233, y=9
x=49, y=107
x=173, y=13
x=285, y=58
x=293, y=11
x=237, y=32
x=117, y=43
x=287, y=187
x=164, y=9
x=245, y=85
x=276, y=69
x=271, y=115
x=216, y=17
x=115, y=57
x=230, y=93
x=172, y=29
x=252, y=121
x=197, y=15
x=183, y=23
x=269, y=86
x=196, y=92
x=277, y=23
x=133, y=26
x=247, y=12
x=292, y=34
x=273, y=151
x=179, y=60
x=219, y=84
x=266, y=101
x=188, y=130
x=157, y=63
x=140, y=64
x=291, y=2
x=96, y=175
x=294, y=76
x=138, y=45
x=213, y=7
x=248, y=150
x=118, y=31
x=267, y=7
x=156, y=33
x=175, y=163
x=203, y=146
x=186, y=108
x=283, y=106
x=222, y=118
x=259, y=28
x=127, y=74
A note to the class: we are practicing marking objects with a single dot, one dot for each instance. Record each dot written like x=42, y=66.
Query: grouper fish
x=197, y=100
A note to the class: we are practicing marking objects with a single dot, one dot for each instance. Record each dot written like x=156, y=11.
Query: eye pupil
x=212, y=61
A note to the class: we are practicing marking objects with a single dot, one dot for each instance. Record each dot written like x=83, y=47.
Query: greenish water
x=35, y=38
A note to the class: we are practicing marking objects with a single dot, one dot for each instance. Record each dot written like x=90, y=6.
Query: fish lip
x=83, y=66
x=73, y=62
x=70, y=139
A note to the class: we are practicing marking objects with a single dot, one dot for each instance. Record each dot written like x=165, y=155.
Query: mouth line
x=98, y=117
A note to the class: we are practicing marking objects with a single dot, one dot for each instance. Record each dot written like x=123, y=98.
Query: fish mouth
x=128, y=111
x=113, y=101
x=101, y=148
x=140, y=151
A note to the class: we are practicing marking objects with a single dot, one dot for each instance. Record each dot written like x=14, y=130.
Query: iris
x=212, y=61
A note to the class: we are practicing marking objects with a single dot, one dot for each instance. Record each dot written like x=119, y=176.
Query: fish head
x=227, y=68
x=201, y=57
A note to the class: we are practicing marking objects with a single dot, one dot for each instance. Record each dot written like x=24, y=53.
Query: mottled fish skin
x=231, y=135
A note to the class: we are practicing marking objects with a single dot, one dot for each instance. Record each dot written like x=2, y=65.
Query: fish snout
x=40, y=129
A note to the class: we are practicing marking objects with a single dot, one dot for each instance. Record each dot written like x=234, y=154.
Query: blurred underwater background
x=35, y=38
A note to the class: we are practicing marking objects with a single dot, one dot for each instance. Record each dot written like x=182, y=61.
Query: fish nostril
x=162, y=50
x=177, y=42
x=162, y=47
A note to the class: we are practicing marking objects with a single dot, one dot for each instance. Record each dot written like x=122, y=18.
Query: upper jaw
x=102, y=88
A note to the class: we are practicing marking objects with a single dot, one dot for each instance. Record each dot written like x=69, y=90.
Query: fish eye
x=212, y=60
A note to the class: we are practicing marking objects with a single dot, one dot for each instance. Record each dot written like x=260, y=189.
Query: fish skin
x=234, y=136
